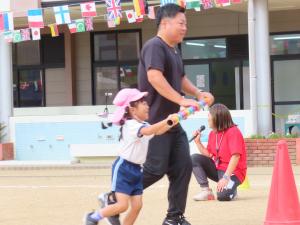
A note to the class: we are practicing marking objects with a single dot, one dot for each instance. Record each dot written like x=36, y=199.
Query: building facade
x=247, y=55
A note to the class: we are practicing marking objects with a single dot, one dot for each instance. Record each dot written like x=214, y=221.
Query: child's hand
x=174, y=118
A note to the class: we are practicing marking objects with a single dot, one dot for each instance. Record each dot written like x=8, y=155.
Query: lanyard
x=218, y=145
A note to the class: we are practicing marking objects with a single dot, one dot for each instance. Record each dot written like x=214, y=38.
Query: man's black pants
x=169, y=154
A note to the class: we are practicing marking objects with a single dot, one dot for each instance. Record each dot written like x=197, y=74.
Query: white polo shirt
x=134, y=146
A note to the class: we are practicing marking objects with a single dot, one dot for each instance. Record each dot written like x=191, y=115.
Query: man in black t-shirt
x=161, y=74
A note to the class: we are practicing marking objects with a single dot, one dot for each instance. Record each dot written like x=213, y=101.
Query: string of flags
x=88, y=12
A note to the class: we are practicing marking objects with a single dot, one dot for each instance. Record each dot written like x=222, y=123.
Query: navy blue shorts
x=127, y=177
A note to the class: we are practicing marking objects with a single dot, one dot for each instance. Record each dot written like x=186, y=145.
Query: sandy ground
x=62, y=196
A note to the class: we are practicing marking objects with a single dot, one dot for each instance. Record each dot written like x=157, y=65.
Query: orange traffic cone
x=283, y=206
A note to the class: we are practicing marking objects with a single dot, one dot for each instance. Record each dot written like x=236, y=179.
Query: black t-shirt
x=156, y=54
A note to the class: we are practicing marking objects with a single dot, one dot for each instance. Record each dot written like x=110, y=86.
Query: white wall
x=5, y=5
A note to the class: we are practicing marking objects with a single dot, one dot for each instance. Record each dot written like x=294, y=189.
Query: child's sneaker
x=102, y=198
x=204, y=195
x=87, y=220
x=106, y=199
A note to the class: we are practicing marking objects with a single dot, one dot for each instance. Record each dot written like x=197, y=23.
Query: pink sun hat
x=123, y=99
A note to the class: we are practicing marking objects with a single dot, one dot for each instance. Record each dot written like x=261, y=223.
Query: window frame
x=206, y=38
x=113, y=63
x=210, y=61
x=42, y=66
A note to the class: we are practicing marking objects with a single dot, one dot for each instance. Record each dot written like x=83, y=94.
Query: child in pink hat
x=131, y=113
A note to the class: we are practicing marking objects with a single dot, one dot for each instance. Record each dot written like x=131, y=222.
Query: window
x=28, y=53
x=30, y=60
x=105, y=47
x=128, y=76
x=31, y=88
x=115, y=62
x=204, y=48
x=286, y=94
x=128, y=46
x=286, y=80
x=106, y=82
x=285, y=44
x=53, y=50
x=216, y=65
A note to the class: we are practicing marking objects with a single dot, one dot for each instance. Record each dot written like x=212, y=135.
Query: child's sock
x=96, y=216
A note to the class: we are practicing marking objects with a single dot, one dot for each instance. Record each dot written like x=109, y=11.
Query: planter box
x=261, y=152
x=6, y=151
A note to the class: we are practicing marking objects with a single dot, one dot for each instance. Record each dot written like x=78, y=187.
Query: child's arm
x=160, y=127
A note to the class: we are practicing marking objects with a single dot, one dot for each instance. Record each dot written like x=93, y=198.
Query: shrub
x=273, y=136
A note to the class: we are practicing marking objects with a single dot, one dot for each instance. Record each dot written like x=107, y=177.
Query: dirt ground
x=56, y=196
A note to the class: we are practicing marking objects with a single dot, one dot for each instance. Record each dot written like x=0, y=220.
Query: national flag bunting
x=72, y=27
x=151, y=12
x=6, y=21
x=8, y=36
x=130, y=16
x=111, y=23
x=207, y=4
x=89, y=23
x=80, y=27
x=17, y=36
x=54, y=30
x=216, y=3
x=62, y=14
x=117, y=21
x=25, y=34
x=35, y=18
x=193, y=4
x=88, y=9
x=164, y=2
x=113, y=8
x=224, y=2
x=139, y=7
x=139, y=19
x=36, y=34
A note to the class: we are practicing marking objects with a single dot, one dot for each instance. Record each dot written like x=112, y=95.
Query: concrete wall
x=20, y=7
x=56, y=87
x=216, y=22
x=83, y=69
x=285, y=21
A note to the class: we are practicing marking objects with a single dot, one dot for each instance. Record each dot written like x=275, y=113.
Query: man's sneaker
x=106, y=199
x=87, y=220
x=183, y=220
x=175, y=220
x=204, y=195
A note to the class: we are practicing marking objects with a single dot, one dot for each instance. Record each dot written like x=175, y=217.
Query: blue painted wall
x=51, y=140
